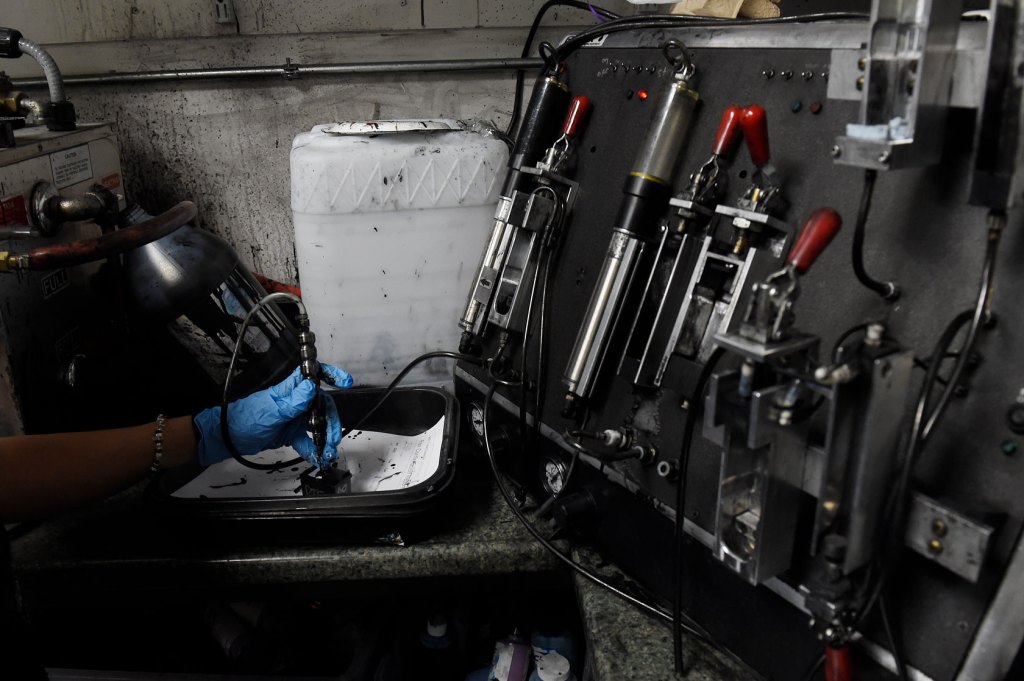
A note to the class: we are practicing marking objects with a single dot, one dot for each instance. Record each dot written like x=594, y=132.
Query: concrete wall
x=225, y=144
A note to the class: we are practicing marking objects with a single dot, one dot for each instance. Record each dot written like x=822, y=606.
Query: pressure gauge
x=552, y=475
x=476, y=419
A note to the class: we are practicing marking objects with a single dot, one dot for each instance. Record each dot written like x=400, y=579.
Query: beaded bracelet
x=158, y=444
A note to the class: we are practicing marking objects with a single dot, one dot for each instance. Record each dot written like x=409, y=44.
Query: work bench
x=117, y=551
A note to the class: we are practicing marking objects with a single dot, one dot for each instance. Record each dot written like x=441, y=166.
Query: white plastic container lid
x=377, y=166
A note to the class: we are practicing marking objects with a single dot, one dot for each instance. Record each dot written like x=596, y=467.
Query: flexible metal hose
x=54, y=81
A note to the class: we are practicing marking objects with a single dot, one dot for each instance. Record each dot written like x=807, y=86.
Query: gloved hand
x=271, y=418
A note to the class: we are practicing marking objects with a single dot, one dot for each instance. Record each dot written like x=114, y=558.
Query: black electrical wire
x=694, y=630
x=679, y=534
x=813, y=670
x=670, y=21
x=887, y=289
x=925, y=420
x=224, y=426
x=895, y=643
x=659, y=21
x=471, y=359
x=225, y=431
x=843, y=338
x=517, y=100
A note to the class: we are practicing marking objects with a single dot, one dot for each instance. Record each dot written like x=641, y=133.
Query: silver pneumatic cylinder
x=646, y=191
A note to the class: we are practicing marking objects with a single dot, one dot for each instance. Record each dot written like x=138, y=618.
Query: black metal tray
x=408, y=411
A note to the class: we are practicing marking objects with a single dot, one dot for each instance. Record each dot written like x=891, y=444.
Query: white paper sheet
x=379, y=462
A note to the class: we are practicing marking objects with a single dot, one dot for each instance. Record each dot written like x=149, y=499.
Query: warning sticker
x=12, y=211
x=71, y=166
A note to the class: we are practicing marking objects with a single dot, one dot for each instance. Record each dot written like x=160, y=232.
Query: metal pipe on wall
x=290, y=71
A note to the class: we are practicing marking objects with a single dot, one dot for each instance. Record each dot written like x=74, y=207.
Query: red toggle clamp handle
x=578, y=110
x=754, y=122
x=819, y=230
x=838, y=665
x=728, y=131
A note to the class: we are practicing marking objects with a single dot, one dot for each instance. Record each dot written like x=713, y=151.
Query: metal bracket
x=948, y=537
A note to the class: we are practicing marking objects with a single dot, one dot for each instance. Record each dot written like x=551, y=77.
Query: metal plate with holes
x=921, y=232
x=948, y=537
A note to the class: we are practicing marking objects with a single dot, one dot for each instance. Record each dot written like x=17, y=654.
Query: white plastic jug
x=390, y=219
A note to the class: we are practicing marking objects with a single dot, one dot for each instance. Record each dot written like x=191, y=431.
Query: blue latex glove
x=272, y=418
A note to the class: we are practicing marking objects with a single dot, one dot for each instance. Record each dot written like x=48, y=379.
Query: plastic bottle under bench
x=390, y=219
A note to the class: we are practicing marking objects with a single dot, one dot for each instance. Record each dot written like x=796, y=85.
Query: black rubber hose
x=517, y=97
x=887, y=289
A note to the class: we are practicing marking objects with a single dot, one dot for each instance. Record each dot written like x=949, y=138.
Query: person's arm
x=44, y=474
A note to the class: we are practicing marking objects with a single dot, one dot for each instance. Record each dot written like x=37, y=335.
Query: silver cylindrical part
x=663, y=142
x=487, y=273
x=586, y=353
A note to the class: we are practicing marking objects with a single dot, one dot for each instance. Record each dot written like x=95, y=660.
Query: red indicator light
x=642, y=94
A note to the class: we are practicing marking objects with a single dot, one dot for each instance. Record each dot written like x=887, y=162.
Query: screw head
x=935, y=546
x=768, y=73
x=860, y=83
x=939, y=528
x=1009, y=447
x=884, y=157
x=787, y=74
x=836, y=151
x=862, y=63
x=807, y=75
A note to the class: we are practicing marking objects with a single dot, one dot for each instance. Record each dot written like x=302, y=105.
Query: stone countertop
x=625, y=643
x=118, y=543
x=102, y=551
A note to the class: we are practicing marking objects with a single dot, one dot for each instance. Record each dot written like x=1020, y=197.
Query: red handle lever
x=838, y=666
x=728, y=131
x=817, y=232
x=754, y=122
x=578, y=111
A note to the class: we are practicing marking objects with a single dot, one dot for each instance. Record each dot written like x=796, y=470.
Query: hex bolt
x=935, y=547
x=939, y=528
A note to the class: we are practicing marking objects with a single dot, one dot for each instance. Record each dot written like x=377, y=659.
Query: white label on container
x=71, y=166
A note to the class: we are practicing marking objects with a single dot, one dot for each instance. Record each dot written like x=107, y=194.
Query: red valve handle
x=817, y=232
x=728, y=131
x=578, y=110
x=754, y=122
x=838, y=666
